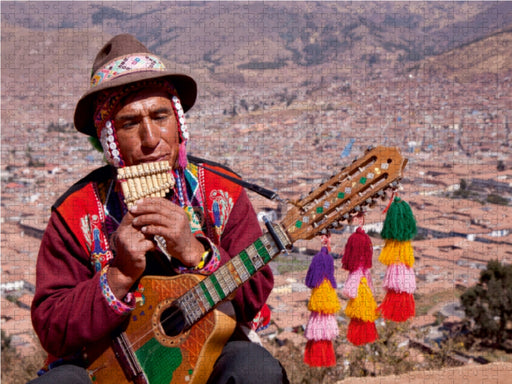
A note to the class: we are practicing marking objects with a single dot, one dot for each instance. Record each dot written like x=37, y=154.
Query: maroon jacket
x=69, y=311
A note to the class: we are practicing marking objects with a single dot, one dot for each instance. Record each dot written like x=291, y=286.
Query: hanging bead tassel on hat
x=361, y=308
x=322, y=327
x=398, y=254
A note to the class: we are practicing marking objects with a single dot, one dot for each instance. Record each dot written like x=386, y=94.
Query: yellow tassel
x=363, y=307
x=395, y=252
x=324, y=299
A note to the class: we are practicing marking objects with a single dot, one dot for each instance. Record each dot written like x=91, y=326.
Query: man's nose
x=150, y=133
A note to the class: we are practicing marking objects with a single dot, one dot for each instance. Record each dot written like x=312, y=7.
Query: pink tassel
x=182, y=155
x=321, y=327
x=400, y=278
x=353, y=280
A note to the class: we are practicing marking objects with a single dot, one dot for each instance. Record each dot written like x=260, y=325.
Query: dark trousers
x=240, y=362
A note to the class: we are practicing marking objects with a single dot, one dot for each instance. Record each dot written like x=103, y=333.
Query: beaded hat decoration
x=122, y=61
x=107, y=104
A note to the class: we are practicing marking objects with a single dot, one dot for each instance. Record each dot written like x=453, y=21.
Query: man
x=95, y=249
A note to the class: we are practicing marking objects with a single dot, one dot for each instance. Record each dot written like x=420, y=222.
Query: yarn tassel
x=397, y=306
x=321, y=267
x=361, y=332
x=182, y=155
x=358, y=251
x=399, y=223
x=363, y=307
x=400, y=278
x=319, y=353
x=321, y=327
x=352, y=283
x=400, y=282
x=324, y=299
x=395, y=251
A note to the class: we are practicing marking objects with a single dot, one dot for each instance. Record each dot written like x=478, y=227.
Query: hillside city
x=289, y=137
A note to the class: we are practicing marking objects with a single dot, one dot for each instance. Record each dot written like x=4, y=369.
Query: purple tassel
x=182, y=155
x=322, y=267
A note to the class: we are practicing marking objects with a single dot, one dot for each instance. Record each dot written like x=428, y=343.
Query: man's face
x=146, y=128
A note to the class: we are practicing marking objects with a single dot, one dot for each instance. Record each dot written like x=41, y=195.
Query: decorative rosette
x=361, y=307
x=398, y=254
x=322, y=327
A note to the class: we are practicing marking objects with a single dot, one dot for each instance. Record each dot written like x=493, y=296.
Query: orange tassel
x=361, y=332
x=320, y=353
x=324, y=299
x=397, y=306
x=363, y=307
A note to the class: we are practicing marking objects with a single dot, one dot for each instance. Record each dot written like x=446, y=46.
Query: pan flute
x=145, y=180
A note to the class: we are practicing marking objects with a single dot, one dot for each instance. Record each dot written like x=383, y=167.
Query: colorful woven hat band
x=125, y=65
x=107, y=104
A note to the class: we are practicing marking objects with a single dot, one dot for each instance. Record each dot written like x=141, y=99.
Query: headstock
x=345, y=193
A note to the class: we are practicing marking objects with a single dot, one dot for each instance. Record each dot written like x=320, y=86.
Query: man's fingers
x=152, y=219
x=152, y=204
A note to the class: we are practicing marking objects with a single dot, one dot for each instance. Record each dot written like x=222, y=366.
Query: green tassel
x=399, y=223
x=96, y=144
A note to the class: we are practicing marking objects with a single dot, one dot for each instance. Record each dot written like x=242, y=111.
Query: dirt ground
x=495, y=373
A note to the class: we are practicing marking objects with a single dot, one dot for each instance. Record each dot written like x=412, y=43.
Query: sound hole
x=172, y=321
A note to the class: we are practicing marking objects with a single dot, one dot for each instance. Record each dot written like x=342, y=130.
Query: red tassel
x=358, y=251
x=361, y=332
x=320, y=353
x=397, y=306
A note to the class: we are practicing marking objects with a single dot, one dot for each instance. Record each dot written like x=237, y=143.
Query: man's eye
x=128, y=124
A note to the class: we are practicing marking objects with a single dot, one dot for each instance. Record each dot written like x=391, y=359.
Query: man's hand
x=134, y=237
x=157, y=216
x=130, y=245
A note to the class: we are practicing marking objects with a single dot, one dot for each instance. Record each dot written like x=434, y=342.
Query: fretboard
x=217, y=287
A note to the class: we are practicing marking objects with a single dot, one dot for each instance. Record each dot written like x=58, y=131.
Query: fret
x=270, y=246
x=185, y=309
x=228, y=281
x=262, y=251
x=217, y=286
x=246, y=260
x=206, y=292
x=202, y=299
x=242, y=271
x=255, y=257
x=233, y=272
x=211, y=289
x=193, y=305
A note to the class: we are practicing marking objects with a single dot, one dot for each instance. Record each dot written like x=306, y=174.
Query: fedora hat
x=124, y=60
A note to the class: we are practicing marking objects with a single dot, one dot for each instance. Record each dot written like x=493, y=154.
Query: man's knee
x=246, y=362
x=64, y=374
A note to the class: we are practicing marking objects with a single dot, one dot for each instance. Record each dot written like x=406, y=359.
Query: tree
x=489, y=302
